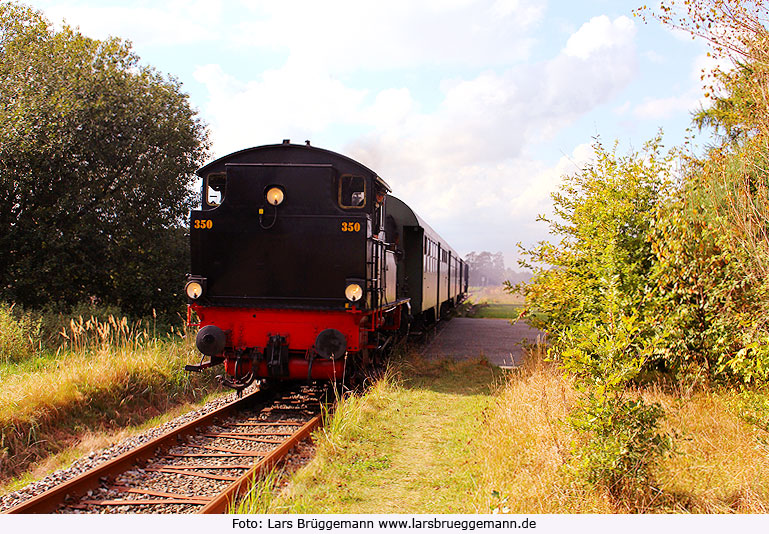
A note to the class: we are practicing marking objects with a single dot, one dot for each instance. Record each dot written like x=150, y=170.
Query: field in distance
x=493, y=302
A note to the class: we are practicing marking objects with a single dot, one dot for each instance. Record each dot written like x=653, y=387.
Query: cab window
x=214, y=188
x=352, y=191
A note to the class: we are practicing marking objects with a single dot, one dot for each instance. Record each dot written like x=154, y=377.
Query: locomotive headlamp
x=193, y=289
x=353, y=292
x=275, y=195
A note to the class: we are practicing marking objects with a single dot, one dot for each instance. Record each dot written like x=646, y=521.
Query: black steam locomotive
x=305, y=267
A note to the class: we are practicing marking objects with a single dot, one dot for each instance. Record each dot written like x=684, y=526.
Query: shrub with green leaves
x=591, y=293
x=19, y=335
x=621, y=444
x=602, y=219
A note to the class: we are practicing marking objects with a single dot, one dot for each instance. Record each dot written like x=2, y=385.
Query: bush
x=593, y=299
x=621, y=445
x=19, y=335
x=706, y=307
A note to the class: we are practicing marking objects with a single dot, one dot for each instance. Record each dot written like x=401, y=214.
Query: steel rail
x=52, y=499
x=223, y=502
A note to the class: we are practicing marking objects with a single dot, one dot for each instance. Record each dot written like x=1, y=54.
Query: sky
x=472, y=110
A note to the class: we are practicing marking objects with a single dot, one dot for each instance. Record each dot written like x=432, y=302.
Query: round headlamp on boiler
x=275, y=195
x=353, y=292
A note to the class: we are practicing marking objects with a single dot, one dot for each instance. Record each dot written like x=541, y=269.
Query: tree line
x=487, y=269
x=97, y=154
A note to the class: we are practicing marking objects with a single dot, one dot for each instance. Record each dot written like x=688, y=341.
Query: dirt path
x=497, y=340
x=411, y=451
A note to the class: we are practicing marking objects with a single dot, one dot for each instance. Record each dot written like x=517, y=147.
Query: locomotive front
x=285, y=261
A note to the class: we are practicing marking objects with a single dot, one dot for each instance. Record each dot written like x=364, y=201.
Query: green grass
x=440, y=437
x=496, y=311
x=407, y=446
x=492, y=303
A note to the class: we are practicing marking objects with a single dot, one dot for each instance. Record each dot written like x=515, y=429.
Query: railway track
x=200, y=467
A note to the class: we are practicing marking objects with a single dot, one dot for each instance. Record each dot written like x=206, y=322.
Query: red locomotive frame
x=249, y=331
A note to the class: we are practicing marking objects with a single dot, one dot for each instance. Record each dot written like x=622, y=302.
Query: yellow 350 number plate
x=203, y=224
x=350, y=226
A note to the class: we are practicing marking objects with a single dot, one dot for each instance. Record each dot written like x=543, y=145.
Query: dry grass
x=107, y=375
x=494, y=295
x=720, y=463
x=74, y=378
x=525, y=446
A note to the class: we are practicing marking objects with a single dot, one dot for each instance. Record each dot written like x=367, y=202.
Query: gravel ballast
x=98, y=457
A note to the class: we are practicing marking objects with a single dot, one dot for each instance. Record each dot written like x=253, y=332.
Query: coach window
x=352, y=191
x=215, y=186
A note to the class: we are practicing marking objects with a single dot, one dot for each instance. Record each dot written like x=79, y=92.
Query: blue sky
x=471, y=110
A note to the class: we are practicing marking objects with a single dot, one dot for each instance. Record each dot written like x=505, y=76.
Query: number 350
x=351, y=226
x=203, y=224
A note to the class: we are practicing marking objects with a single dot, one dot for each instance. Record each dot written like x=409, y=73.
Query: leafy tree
x=601, y=257
x=735, y=168
x=96, y=160
x=713, y=243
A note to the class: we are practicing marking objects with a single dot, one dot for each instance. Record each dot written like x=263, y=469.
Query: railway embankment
x=108, y=380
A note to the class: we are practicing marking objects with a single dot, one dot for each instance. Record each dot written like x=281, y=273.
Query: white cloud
x=470, y=156
x=391, y=108
x=660, y=108
x=687, y=101
x=295, y=100
x=494, y=116
x=623, y=109
x=175, y=22
x=598, y=34
x=654, y=57
x=705, y=64
x=340, y=34
x=372, y=35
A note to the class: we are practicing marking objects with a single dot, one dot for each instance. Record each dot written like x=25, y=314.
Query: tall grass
x=261, y=496
x=95, y=334
x=344, y=420
x=106, y=373
x=719, y=464
x=526, y=445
